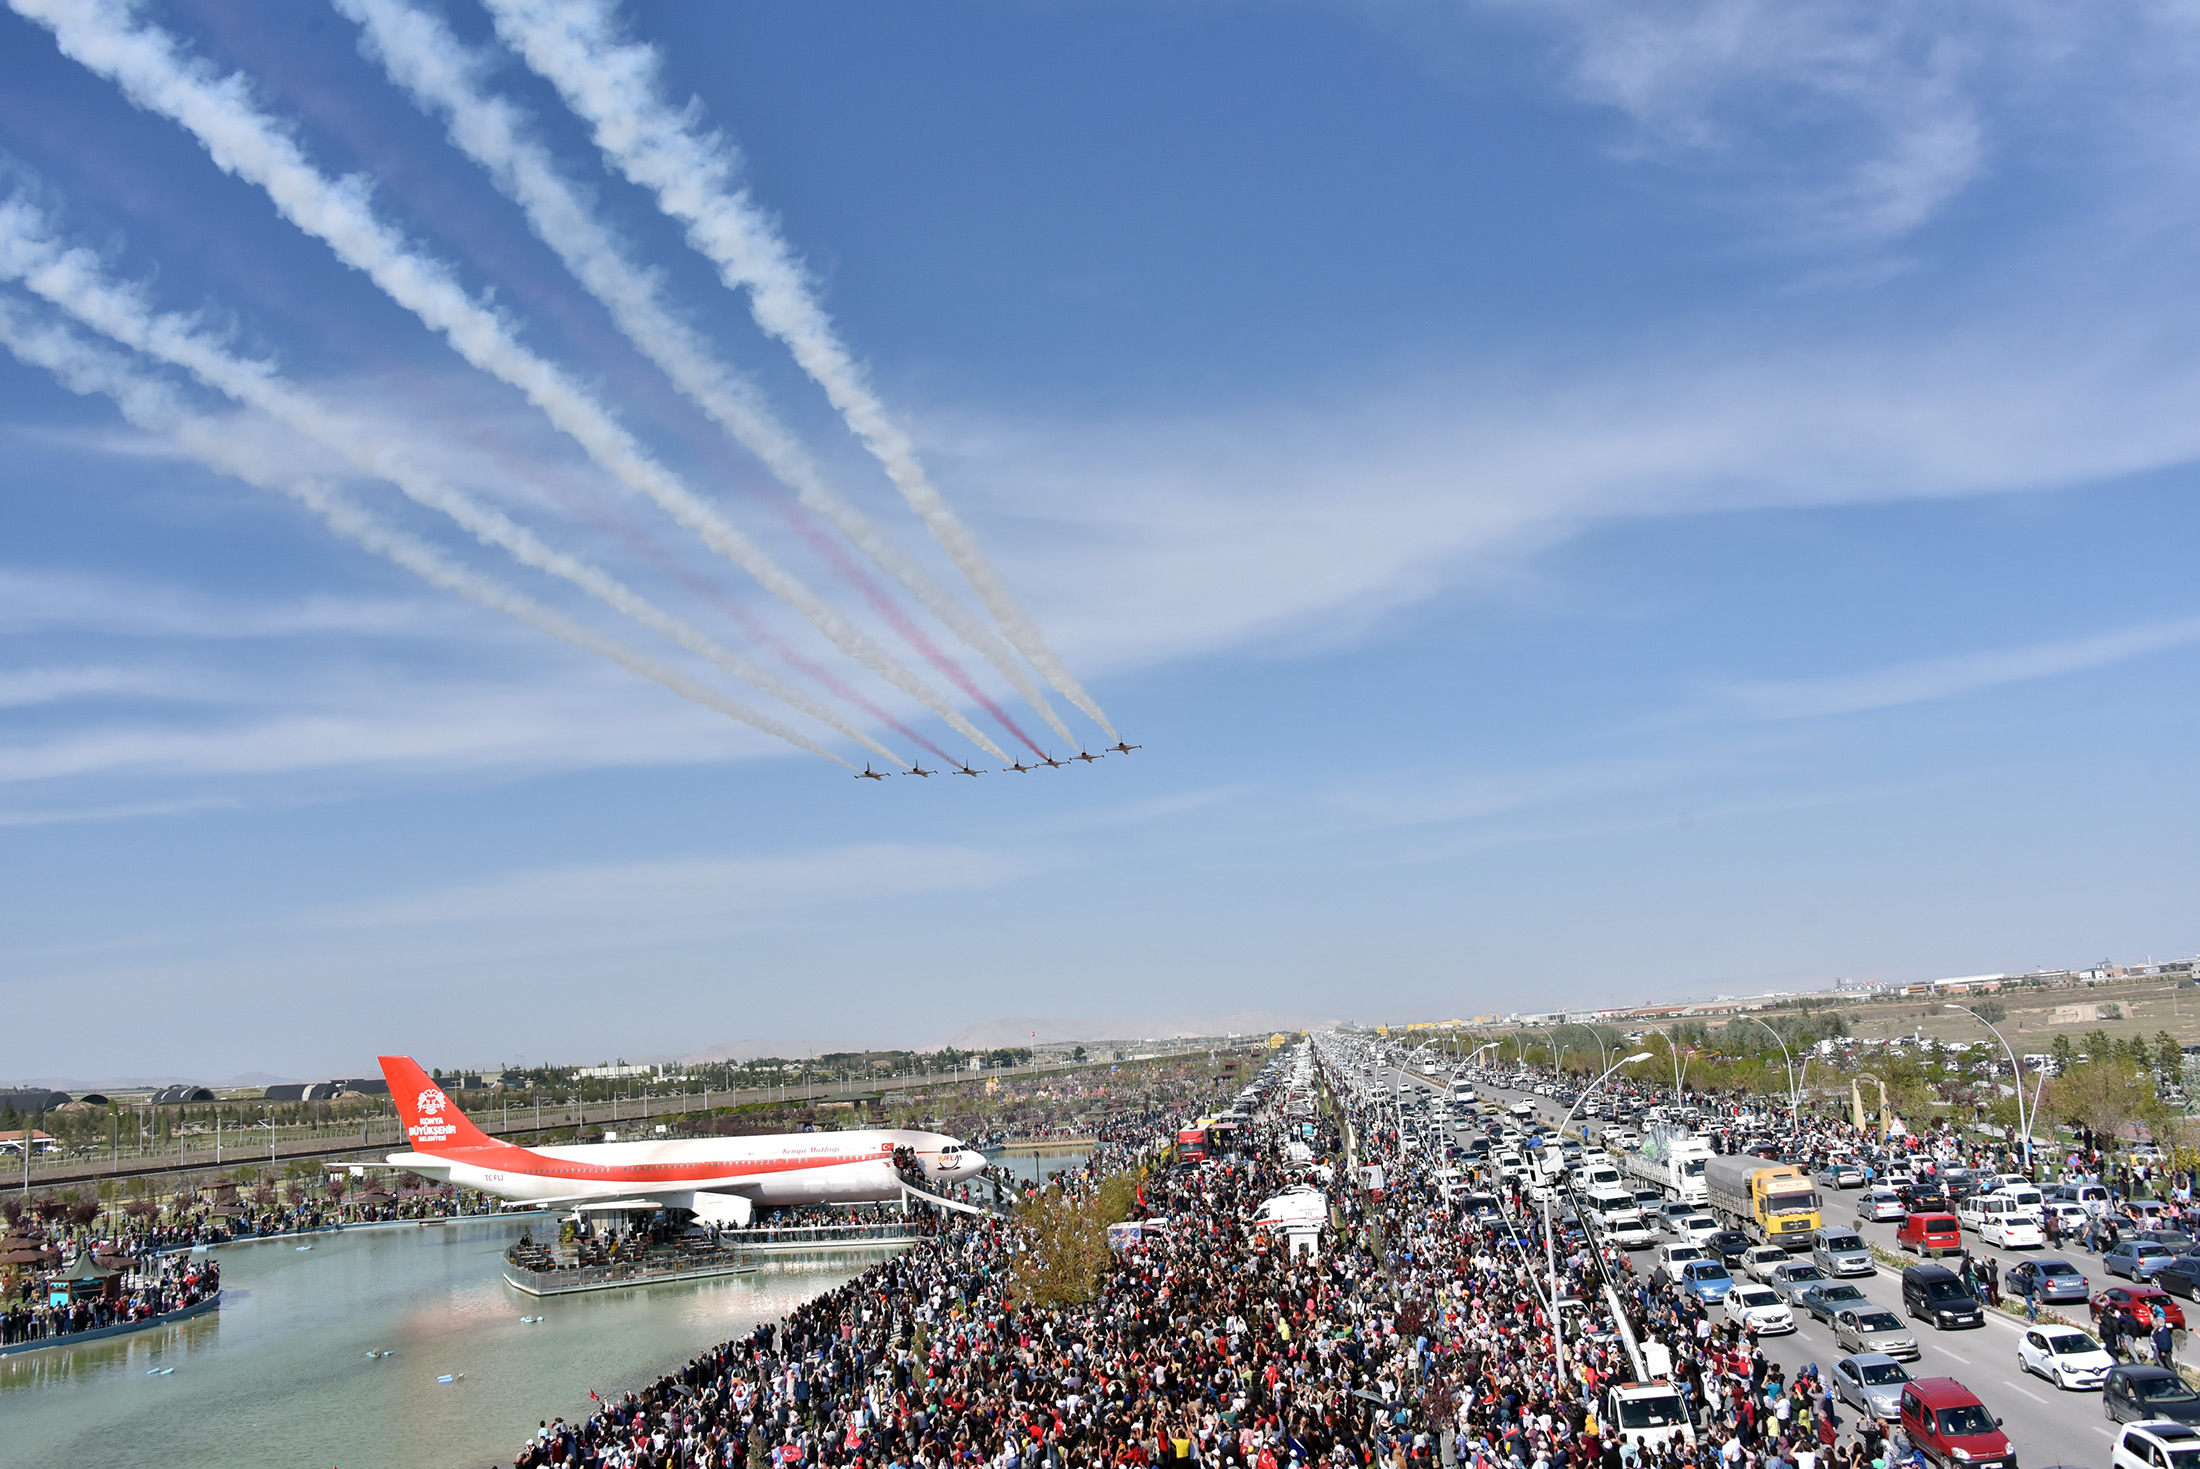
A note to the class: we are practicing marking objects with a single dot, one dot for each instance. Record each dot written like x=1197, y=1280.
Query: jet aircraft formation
x=1046, y=760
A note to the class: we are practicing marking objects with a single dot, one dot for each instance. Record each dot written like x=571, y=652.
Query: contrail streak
x=71, y=279
x=149, y=404
x=612, y=85
x=149, y=67
x=427, y=60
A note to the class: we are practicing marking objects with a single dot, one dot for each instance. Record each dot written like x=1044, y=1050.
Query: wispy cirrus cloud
x=1927, y=679
x=1850, y=125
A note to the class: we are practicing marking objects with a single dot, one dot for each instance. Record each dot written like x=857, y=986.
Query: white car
x=2064, y=1356
x=2073, y=1217
x=1672, y=1257
x=1758, y=1306
x=1697, y=1228
x=2011, y=1231
x=1759, y=1263
x=2150, y=1445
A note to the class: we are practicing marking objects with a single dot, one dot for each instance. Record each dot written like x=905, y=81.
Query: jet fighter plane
x=1087, y=757
x=869, y=774
x=920, y=770
x=1051, y=763
x=961, y=769
x=1122, y=749
x=1020, y=768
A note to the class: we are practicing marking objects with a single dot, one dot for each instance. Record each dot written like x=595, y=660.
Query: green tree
x=2109, y=1096
x=2065, y=1054
x=2169, y=1057
x=1065, y=1256
x=1993, y=1012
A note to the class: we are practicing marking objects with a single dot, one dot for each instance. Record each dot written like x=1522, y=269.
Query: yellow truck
x=1773, y=1203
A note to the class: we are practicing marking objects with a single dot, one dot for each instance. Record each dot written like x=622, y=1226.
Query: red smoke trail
x=643, y=545
x=589, y=508
x=804, y=524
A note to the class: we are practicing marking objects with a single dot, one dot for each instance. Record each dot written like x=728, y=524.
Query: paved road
x=2047, y=1425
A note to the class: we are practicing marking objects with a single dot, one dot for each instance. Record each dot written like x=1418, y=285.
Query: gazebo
x=86, y=1280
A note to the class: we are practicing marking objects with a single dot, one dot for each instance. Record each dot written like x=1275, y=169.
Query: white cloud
x=565, y=719
x=1857, y=122
x=34, y=601
x=1149, y=540
x=1941, y=678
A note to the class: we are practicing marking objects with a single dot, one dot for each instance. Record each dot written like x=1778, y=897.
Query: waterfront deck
x=735, y=1254
x=123, y=1328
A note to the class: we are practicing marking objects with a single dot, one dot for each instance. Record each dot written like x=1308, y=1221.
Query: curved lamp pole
x=2016, y=1070
x=1794, y=1104
x=1604, y=1052
x=1680, y=1064
x=1550, y=1241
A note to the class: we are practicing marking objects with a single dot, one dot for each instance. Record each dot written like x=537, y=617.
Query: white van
x=1619, y=1215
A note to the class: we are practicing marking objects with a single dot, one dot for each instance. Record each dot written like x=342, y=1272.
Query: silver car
x=1791, y=1280
x=1879, y=1205
x=1874, y=1332
x=1841, y=1252
x=1870, y=1382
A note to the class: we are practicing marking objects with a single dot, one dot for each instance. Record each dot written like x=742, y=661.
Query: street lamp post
x=1550, y=1242
x=2016, y=1075
x=1794, y=1102
x=1604, y=1054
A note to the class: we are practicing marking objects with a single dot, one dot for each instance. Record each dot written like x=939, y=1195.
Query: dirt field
x=2037, y=1016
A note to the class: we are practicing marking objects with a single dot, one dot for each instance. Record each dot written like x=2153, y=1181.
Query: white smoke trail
x=71, y=279
x=611, y=83
x=152, y=406
x=150, y=68
x=426, y=59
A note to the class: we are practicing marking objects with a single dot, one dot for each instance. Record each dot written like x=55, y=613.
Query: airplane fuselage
x=782, y=1168
x=703, y=1174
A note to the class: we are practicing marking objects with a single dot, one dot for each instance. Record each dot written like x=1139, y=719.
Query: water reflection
x=281, y=1374
x=1039, y=1165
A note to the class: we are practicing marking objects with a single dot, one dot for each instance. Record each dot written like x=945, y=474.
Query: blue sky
x=1579, y=502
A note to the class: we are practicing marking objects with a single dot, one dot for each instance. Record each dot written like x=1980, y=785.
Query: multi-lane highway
x=2046, y=1425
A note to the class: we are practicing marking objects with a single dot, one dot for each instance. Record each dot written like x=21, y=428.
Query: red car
x=2138, y=1303
x=1930, y=1234
x=1946, y=1420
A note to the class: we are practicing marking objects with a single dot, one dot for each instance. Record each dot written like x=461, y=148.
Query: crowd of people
x=1417, y=1336
x=153, y=1287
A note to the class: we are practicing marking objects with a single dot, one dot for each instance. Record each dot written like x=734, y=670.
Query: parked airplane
x=720, y=1179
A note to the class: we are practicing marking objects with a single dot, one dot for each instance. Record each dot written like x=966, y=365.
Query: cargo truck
x=1671, y=1160
x=1774, y=1203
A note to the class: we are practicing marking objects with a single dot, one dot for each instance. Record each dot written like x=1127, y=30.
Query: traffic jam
x=1942, y=1311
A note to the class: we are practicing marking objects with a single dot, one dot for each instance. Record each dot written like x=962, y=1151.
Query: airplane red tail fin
x=433, y=1122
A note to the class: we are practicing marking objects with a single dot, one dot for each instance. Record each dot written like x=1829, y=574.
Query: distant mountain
x=1026, y=1030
